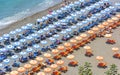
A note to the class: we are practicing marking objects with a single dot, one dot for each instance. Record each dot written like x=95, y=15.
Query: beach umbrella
x=39, y=59
x=52, y=39
x=49, y=16
x=57, y=23
x=18, y=30
x=1, y=65
x=16, y=44
x=23, y=53
x=46, y=29
x=24, y=27
x=51, y=26
x=100, y=58
x=12, y=32
x=70, y=57
x=77, y=3
x=27, y=66
x=1, y=39
x=73, y=27
x=105, y=23
x=101, y=26
x=29, y=25
x=78, y=12
x=115, y=18
x=83, y=11
x=94, y=18
x=21, y=70
x=63, y=32
x=81, y=0
x=90, y=32
x=47, y=70
x=69, y=30
x=56, y=35
x=60, y=47
x=88, y=8
x=40, y=32
x=103, y=13
x=59, y=11
x=22, y=40
x=29, y=49
x=115, y=49
x=33, y=62
x=14, y=57
x=36, y=46
x=44, y=42
x=108, y=35
x=14, y=73
x=29, y=37
x=66, y=44
x=54, y=66
x=6, y=35
x=63, y=21
x=78, y=38
x=40, y=73
x=97, y=5
x=47, y=55
x=83, y=35
x=73, y=41
x=67, y=7
x=55, y=51
x=10, y=47
x=74, y=15
x=60, y=62
x=34, y=35
x=118, y=15
x=6, y=61
x=69, y=17
x=87, y=47
x=95, y=29
x=71, y=5
x=92, y=6
x=3, y=50
x=54, y=13
x=79, y=24
x=45, y=18
x=107, y=10
x=39, y=20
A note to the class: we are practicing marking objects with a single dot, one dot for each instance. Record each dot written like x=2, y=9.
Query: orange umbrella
x=78, y=38
x=27, y=66
x=47, y=55
x=87, y=47
x=60, y=62
x=83, y=35
x=100, y=26
x=115, y=49
x=115, y=18
x=14, y=73
x=66, y=44
x=70, y=57
x=21, y=69
x=54, y=66
x=105, y=23
x=108, y=35
x=89, y=50
x=118, y=15
x=95, y=29
x=73, y=41
x=55, y=51
x=90, y=32
x=110, y=21
x=33, y=62
x=47, y=70
x=100, y=58
x=39, y=59
x=60, y=48
x=41, y=73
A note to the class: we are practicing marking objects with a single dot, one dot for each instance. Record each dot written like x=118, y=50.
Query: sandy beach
x=99, y=47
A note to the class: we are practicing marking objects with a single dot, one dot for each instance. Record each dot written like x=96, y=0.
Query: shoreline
x=30, y=19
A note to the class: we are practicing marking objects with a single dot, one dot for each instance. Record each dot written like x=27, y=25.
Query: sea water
x=14, y=10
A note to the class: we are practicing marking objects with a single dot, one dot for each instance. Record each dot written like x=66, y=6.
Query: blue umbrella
x=83, y=11
x=69, y=17
x=51, y=26
x=92, y=6
x=79, y=24
x=46, y=29
x=23, y=40
x=67, y=7
x=6, y=35
x=34, y=35
x=78, y=12
x=6, y=61
x=88, y=8
x=24, y=27
x=98, y=15
x=45, y=18
x=63, y=32
x=97, y=5
x=100, y=2
x=23, y=53
x=29, y=49
x=54, y=13
x=63, y=21
x=40, y=31
x=36, y=46
x=13, y=32
x=3, y=50
x=16, y=44
x=56, y=35
x=49, y=16
x=29, y=25
x=71, y=5
x=1, y=65
x=74, y=15
x=14, y=57
x=39, y=20
x=63, y=9
x=77, y=2
x=102, y=12
x=10, y=47
x=59, y=11
x=44, y=42
x=111, y=7
x=107, y=10
x=52, y=39
x=29, y=37
x=73, y=27
x=1, y=39
x=82, y=0
x=18, y=30
x=69, y=30
x=57, y=23
x=93, y=18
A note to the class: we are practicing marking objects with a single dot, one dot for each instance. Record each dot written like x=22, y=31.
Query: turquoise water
x=13, y=10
